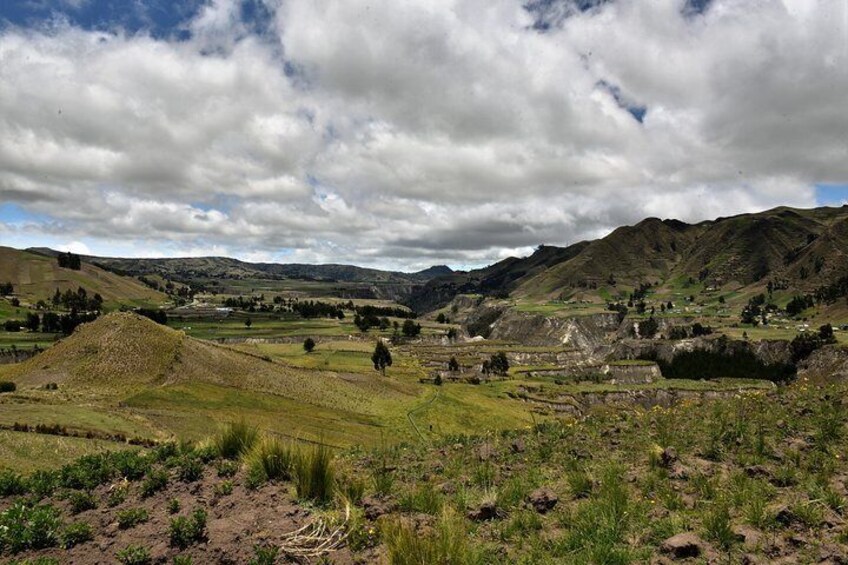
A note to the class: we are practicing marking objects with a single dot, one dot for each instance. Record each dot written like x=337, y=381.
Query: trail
x=421, y=407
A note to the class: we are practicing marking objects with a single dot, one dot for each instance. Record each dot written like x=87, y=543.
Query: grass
x=235, y=440
x=314, y=473
x=448, y=542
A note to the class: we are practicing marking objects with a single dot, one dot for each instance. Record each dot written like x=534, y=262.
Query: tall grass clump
x=446, y=543
x=235, y=440
x=271, y=459
x=314, y=473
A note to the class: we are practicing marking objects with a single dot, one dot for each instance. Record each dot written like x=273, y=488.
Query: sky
x=404, y=134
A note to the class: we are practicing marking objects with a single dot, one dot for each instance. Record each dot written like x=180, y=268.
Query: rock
x=783, y=515
x=668, y=456
x=749, y=536
x=486, y=511
x=375, y=507
x=517, y=445
x=683, y=545
x=678, y=472
x=542, y=500
x=484, y=452
x=759, y=471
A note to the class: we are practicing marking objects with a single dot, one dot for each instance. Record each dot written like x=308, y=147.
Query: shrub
x=81, y=501
x=156, y=480
x=117, y=496
x=76, y=534
x=7, y=386
x=237, y=439
x=134, y=555
x=189, y=469
x=185, y=531
x=173, y=506
x=224, y=488
x=309, y=345
x=271, y=459
x=132, y=465
x=226, y=468
x=446, y=543
x=132, y=517
x=24, y=527
x=314, y=473
x=11, y=483
x=42, y=484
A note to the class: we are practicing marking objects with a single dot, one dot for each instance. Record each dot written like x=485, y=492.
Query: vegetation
x=236, y=440
x=381, y=357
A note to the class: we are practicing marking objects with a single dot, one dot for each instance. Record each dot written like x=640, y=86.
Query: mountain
x=37, y=276
x=187, y=269
x=799, y=249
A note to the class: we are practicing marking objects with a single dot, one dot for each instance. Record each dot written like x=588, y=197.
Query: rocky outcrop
x=830, y=363
x=587, y=333
x=769, y=352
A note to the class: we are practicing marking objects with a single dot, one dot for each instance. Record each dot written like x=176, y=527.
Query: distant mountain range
x=794, y=248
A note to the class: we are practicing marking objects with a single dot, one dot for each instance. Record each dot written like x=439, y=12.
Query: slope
x=36, y=277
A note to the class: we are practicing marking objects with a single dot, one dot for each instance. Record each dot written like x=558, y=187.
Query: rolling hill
x=36, y=277
x=802, y=249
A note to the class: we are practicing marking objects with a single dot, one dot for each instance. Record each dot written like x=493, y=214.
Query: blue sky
x=405, y=134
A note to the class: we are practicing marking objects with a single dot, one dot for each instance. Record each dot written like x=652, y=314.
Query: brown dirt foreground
x=236, y=523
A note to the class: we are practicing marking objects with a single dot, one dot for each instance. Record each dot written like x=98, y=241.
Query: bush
x=446, y=543
x=132, y=465
x=227, y=468
x=185, y=531
x=314, y=473
x=24, y=527
x=156, y=480
x=309, y=345
x=76, y=534
x=189, y=469
x=237, y=439
x=81, y=501
x=7, y=386
x=134, y=555
x=132, y=517
x=173, y=506
x=271, y=459
x=117, y=496
x=11, y=483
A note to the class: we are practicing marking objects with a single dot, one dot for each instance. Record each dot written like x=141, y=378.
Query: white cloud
x=420, y=132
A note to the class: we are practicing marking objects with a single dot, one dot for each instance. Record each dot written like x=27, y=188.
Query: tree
x=32, y=322
x=441, y=318
x=410, y=328
x=248, y=323
x=308, y=345
x=451, y=334
x=498, y=364
x=453, y=365
x=381, y=357
x=438, y=380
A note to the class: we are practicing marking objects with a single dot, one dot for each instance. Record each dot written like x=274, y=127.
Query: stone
x=683, y=546
x=517, y=445
x=486, y=511
x=375, y=507
x=542, y=500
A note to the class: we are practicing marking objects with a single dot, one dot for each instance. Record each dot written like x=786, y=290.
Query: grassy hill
x=36, y=277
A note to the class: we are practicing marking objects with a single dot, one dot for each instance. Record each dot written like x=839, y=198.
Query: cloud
x=402, y=134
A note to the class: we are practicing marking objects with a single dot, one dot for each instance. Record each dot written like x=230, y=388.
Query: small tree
x=308, y=345
x=453, y=365
x=499, y=364
x=410, y=328
x=248, y=323
x=381, y=357
x=438, y=380
x=441, y=318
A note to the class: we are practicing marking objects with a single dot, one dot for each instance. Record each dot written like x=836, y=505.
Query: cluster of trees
x=648, y=328
x=804, y=344
x=313, y=309
x=6, y=289
x=50, y=322
x=79, y=300
x=726, y=360
x=249, y=304
x=497, y=364
x=755, y=312
x=696, y=330
x=442, y=319
x=185, y=292
x=69, y=261
x=799, y=303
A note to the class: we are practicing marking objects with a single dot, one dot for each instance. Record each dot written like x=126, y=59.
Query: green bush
x=132, y=465
x=185, y=531
x=236, y=440
x=132, y=517
x=189, y=469
x=156, y=480
x=271, y=459
x=134, y=555
x=117, y=496
x=24, y=527
x=224, y=488
x=81, y=501
x=314, y=473
x=42, y=484
x=76, y=534
x=11, y=484
x=227, y=468
x=173, y=506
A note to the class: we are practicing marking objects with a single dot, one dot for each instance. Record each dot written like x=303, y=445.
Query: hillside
x=193, y=268
x=123, y=353
x=803, y=249
x=36, y=277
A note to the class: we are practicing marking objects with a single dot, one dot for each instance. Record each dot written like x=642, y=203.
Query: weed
x=189, y=469
x=226, y=468
x=132, y=517
x=224, y=488
x=76, y=534
x=156, y=480
x=173, y=506
x=424, y=499
x=182, y=560
x=264, y=555
x=446, y=543
x=579, y=482
x=81, y=501
x=11, y=484
x=314, y=473
x=717, y=525
x=117, y=496
x=236, y=440
x=134, y=555
x=185, y=531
